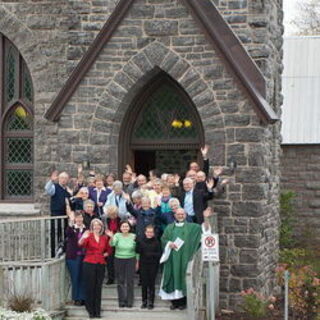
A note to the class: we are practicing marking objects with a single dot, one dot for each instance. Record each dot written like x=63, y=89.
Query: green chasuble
x=175, y=268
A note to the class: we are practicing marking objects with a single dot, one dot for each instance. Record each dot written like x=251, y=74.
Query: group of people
x=128, y=226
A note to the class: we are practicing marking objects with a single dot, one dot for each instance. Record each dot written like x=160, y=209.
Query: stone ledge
x=12, y=210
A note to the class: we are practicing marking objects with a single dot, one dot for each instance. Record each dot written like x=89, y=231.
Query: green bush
x=255, y=305
x=287, y=216
x=293, y=257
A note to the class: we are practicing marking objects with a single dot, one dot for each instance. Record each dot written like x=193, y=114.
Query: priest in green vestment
x=180, y=241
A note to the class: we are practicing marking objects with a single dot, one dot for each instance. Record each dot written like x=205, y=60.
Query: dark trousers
x=75, y=269
x=56, y=233
x=93, y=275
x=148, y=274
x=179, y=302
x=110, y=267
x=125, y=269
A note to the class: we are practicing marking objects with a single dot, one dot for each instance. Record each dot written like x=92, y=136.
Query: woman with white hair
x=89, y=213
x=136, y=199
x=78, y=200
x=119, y=199
x=97, y=248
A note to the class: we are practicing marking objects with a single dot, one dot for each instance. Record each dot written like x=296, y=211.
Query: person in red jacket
x=97, y=248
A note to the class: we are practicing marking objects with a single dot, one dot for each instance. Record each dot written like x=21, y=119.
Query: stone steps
x=113, y=301
x=135, y=315
x=111, y=311
x=109, y=291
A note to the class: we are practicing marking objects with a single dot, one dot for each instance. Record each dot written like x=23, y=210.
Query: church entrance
x=161, y=130
x=169, y=161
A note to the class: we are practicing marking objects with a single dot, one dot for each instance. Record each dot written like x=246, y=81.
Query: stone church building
x=148, y=82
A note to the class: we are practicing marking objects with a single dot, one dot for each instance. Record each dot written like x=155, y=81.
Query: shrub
x=293, y=257
x=304, y=290
x=256, y=305
x=21, y=303
x=287, y=219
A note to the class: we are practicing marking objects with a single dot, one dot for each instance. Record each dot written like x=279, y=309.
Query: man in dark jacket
x=56, y=187
x=145, y=216
x=194, y=201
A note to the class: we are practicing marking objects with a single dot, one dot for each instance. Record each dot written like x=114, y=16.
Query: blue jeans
x=77, y=281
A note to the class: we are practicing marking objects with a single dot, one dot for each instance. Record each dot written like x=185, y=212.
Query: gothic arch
x=136, y=74
x=150, y=124
x=22, y=37
x=16, y=125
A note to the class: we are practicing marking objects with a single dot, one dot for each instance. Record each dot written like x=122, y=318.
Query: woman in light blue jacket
x=119, y=199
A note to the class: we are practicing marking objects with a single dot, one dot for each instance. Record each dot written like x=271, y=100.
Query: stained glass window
x=17, y=125
x=19, y=150
x=165, y=115
x=10, y=79
x=18, y=183
x=19, y=120
x=27, y=85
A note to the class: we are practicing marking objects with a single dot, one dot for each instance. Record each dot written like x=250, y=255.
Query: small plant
x=304, y=291
x=21, y=303
x=293, y=257
x=256, y=305
x=287, y=219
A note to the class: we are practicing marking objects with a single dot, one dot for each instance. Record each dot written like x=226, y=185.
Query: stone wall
x=162, y=34
x=300, y=172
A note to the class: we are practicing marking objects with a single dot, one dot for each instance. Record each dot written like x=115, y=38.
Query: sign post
x=210, y=247
x=210, y=253
x=286, y=291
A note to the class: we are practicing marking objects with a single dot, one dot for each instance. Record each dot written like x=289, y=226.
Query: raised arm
x=50, y=187
x=206, y=215
x=204, y=152
x=84, y=239
x=131, y=209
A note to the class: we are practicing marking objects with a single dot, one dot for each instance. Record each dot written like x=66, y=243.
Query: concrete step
x=113, y=301
x=110, y=291
x=78, y=311
x=111, y=311
x=134, y=314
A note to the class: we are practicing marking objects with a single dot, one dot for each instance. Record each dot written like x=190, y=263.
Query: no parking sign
x=209, y=245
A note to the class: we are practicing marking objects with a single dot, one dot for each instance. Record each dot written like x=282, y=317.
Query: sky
x=290, y=11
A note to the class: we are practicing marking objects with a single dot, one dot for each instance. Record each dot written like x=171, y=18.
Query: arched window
x=165, y=116
x=161, y=129
x=16, y=115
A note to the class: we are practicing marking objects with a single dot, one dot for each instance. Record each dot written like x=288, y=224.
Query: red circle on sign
x=210, y=241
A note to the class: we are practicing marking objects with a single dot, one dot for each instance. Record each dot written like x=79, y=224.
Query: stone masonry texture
x=163, y=34
x=300, y=173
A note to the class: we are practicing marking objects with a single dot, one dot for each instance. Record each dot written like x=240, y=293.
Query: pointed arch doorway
x=161, y=129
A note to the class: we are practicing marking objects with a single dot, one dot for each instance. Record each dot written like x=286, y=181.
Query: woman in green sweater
x=125, y=262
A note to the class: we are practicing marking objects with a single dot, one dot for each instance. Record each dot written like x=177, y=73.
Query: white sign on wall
x=210, y=246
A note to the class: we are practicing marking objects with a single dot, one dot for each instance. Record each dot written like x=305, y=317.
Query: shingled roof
x=216, y=30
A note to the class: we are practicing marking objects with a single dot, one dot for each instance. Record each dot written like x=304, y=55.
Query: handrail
x=31, y=239
x=202, y=280
x=27, y=260
x=194, y=280
x=43, y=281
x=2, y=221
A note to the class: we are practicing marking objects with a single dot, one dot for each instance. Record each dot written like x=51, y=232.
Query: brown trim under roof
x=224, y=39
x=217, y=31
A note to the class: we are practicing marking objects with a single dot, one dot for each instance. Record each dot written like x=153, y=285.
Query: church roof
x=218, y=33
